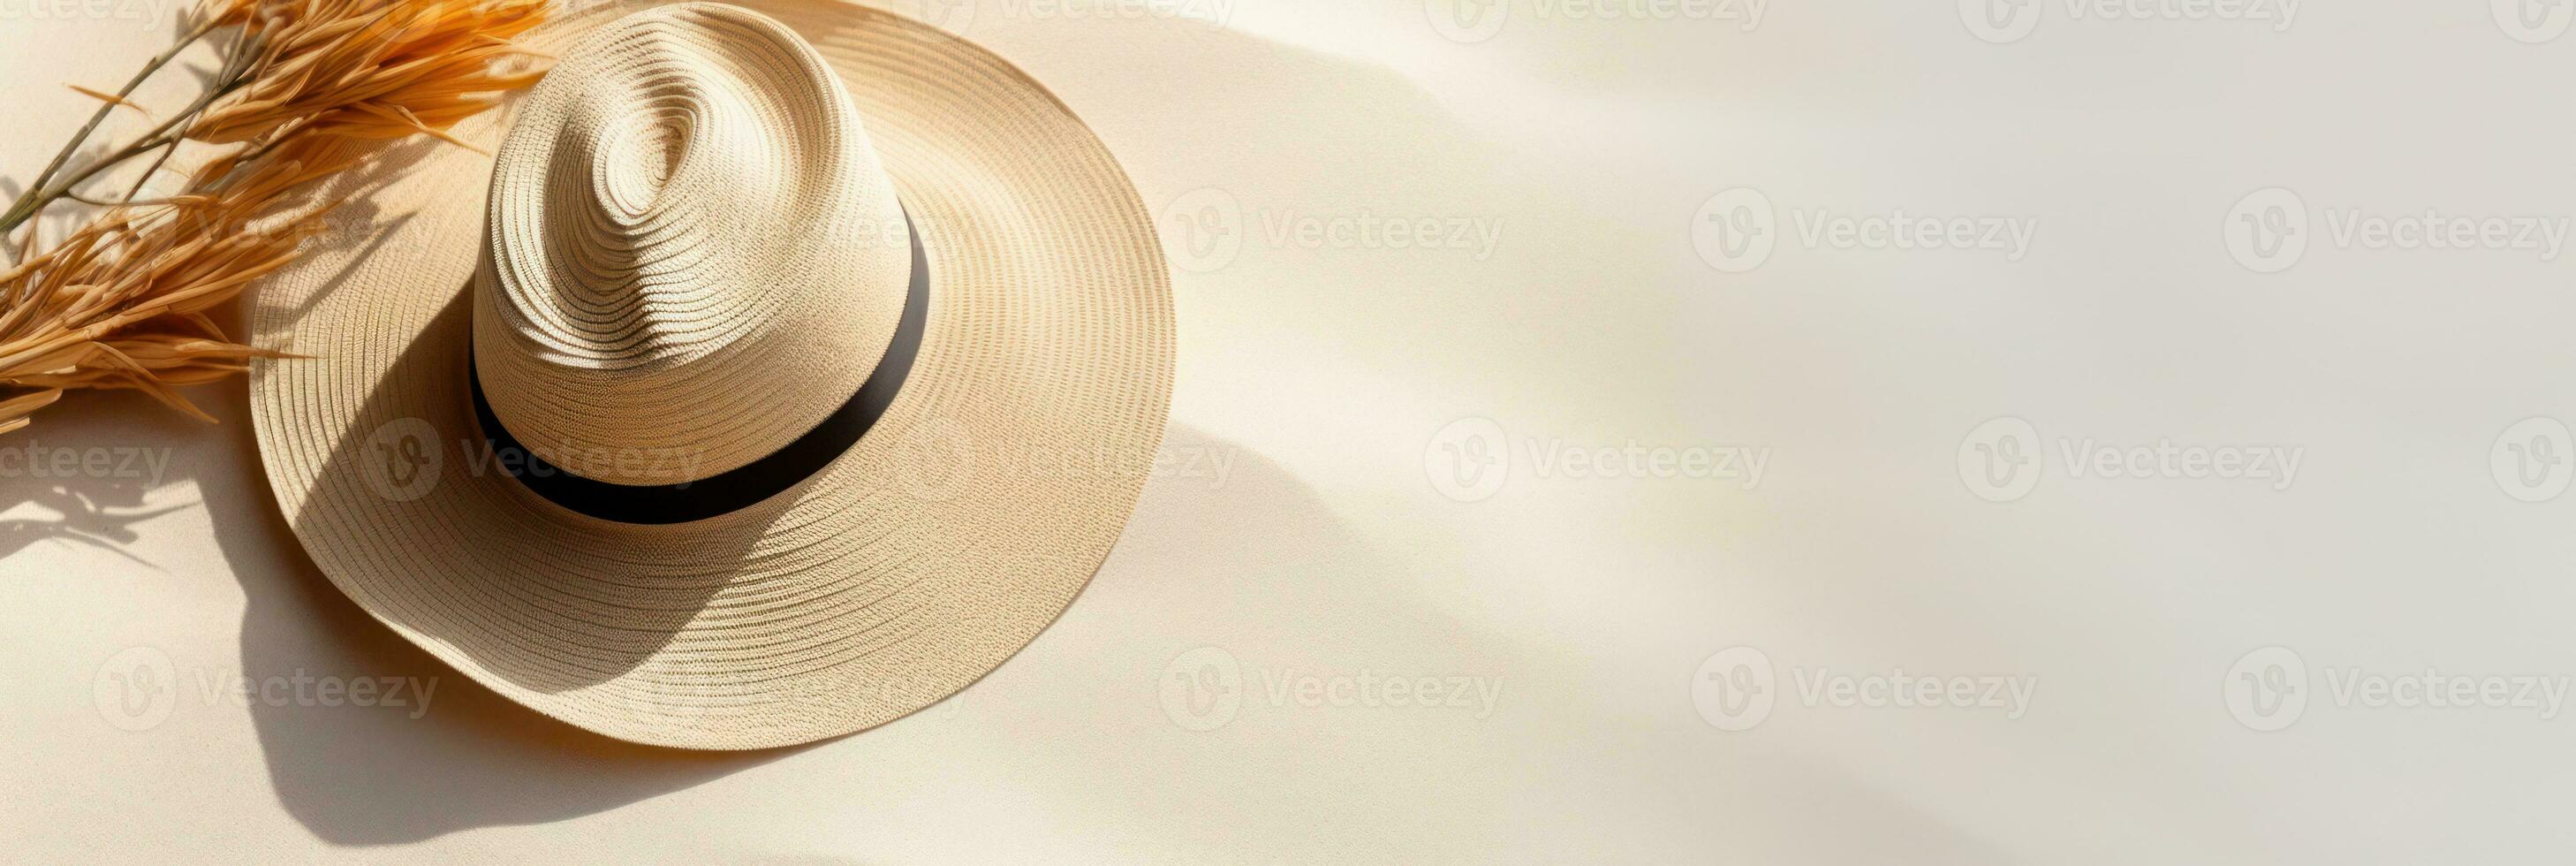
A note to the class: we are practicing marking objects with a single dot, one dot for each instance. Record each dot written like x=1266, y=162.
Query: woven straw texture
x=940, y=544
x=678, y=207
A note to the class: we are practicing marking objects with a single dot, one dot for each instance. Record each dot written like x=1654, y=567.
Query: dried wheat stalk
x=306, y=89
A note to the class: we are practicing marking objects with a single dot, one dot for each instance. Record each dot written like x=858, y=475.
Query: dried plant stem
x=30, y=201
x=163, y=135
x=305, y=90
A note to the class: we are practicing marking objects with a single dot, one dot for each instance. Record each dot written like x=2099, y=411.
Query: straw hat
x=787, y=368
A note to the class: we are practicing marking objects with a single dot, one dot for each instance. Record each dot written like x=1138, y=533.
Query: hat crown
x=692, y=253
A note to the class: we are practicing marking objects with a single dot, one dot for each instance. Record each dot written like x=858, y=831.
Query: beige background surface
x=1306, y=528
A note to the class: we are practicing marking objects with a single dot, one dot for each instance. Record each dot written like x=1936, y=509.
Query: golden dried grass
x=306, y=89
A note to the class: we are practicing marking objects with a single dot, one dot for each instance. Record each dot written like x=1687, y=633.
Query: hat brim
x=940, y=544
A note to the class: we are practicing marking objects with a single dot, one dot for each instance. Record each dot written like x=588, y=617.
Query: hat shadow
x=461, y=757
x=359, y=219
x=90, y=507
x=88, y=512
x=440, y=351
x=464, y=757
